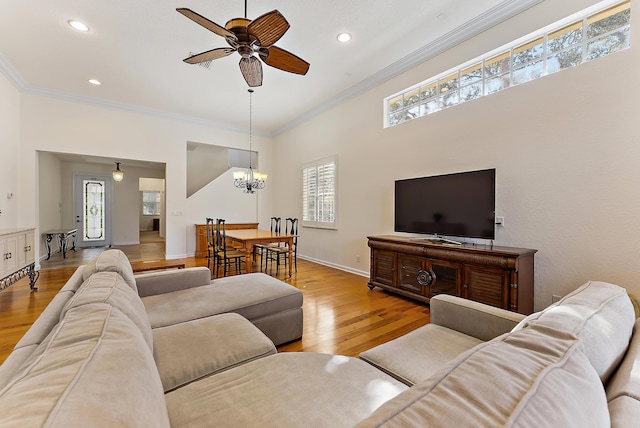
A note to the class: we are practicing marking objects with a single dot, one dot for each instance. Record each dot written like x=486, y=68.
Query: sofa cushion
x=94, y=369
x=626, y=379
x=420, y=353
x=110, y=288
x=291, y=389
x=111, y=261
x=531, y=378
x=14, y=361
x=600, y=314
x=190, y=351
x=75, y=281
x=624, y=411
x=47, y=320
x=253, y=296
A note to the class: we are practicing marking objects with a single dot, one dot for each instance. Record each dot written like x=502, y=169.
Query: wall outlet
x=358, y=258
x=500, y=221
x=555, y=298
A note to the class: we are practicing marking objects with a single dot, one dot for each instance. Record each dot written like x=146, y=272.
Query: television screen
x=461, y=204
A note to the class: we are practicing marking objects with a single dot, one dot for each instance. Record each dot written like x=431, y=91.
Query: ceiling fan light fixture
x=344, y=37
x=250, y=37
x=79, y=26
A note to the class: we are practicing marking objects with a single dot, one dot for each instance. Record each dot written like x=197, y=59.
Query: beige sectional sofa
x=114, y=349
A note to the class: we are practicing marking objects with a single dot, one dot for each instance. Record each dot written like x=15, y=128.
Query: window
x=319, y=193
x=594, y=33
x=150, y=203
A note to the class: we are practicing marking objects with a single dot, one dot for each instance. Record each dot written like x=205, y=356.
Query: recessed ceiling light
x=80, y=26
x=344, y=37
x=95, y=82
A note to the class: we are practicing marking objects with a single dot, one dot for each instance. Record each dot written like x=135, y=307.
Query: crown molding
x=6, y=68
x=498, y=14
x=100, y=102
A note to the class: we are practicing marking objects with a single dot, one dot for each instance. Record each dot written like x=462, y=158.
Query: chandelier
x=249, y=180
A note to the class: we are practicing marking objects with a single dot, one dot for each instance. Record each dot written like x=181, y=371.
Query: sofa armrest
x=475, y=319
x=151, y=284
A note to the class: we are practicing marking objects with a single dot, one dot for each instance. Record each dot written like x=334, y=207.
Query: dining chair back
x=211, y=244
x=225, y=255
x=276, y=252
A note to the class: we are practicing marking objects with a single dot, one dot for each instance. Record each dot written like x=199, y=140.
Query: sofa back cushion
x=110, y=288
x=94, y=369
x=111, y=261
x=600, y=314
x=535, y=377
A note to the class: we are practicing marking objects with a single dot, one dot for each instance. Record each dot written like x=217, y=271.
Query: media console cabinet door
x=485, y=285
x=383, y=267
x=413, y=269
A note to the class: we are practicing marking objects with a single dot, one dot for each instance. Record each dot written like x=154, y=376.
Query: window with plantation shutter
x=319, y=193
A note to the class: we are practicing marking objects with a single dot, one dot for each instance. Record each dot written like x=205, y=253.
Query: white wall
x=72, y=127
x=50, y=204
x=9, y=155
x=565, y=147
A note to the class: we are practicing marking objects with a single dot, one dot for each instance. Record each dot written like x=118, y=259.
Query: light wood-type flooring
x=341, y=315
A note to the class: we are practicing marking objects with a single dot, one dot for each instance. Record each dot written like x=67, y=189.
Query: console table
x=418, y=269
x=63, y=236
x=17, y=257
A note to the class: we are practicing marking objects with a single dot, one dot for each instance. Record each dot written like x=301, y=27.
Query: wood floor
x=341, y=315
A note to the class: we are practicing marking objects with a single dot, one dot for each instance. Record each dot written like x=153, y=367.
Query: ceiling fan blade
x=283, y=60
x=251, y=71
x=268, y=28
x=209, y=25
x=209, y=55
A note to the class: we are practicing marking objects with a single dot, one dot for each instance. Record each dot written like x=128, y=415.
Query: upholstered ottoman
x=273, y=306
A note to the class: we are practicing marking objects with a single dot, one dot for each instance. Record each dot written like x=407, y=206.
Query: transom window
x=594, y=33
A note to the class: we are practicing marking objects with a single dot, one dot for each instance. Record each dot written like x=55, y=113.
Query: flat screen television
x=461, y=204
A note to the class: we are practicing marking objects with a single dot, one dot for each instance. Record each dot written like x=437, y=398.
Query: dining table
x=250, y=237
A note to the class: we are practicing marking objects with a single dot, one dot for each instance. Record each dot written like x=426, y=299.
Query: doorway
x=92, y=202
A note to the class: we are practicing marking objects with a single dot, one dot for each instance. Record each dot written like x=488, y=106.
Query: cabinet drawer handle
x=424, y=277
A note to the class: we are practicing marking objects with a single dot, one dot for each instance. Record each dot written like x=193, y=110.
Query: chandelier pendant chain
x=250, y=180
x=250, y=125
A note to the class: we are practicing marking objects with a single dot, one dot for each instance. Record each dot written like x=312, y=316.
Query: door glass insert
x=446, y=281
x=93, y=218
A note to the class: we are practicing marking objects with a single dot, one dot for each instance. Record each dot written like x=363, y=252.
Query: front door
x=92, y=198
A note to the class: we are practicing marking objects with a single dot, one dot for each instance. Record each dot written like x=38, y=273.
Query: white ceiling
x=135, y=48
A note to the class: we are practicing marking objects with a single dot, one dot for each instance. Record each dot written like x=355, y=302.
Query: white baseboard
x=336, y=266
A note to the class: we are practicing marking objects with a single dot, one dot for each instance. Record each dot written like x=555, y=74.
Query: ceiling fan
x=248, y=37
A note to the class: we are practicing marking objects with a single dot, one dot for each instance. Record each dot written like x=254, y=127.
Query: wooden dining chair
x=274, y=253
x=225, y=255
x=211, y=244
x=261, y=249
